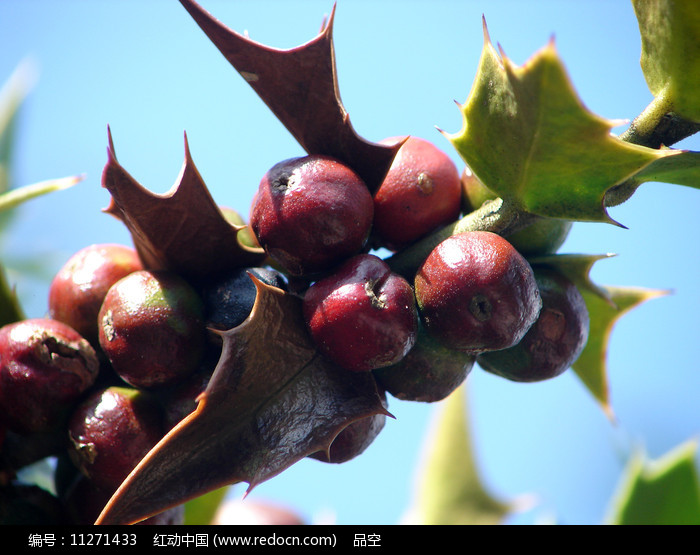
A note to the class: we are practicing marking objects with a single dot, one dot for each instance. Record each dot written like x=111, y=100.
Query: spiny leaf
x=591, y=366
x=527, y=136
x=271, y=401
x=661, y=492
x=183, y=230
x=605, y=306
x=451, y=490
x=670, y=60
x=577, y=267
x=300, y=86
x=683, y=169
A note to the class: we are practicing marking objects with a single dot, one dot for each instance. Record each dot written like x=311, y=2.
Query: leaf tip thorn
x=610, y=413
x=485, y=30
x=110, y=145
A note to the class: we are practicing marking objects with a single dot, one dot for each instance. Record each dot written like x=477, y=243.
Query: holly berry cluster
x=474, y=295
x=125, y=352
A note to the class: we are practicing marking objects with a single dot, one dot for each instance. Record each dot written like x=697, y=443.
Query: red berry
x=311, y=213
x=45, y=366
x=78, y=289
x=355, y=438
x=111, y=431
x=476, y=293
x=363, y=316
x=151, y=328
x=420, y=193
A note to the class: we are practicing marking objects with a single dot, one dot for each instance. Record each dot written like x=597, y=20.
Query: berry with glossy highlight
x=363, y=316
x=79, y=287
x=152, y=328
x=311, y=213
x=477, y=293
x=111, y=431
x=420, y=193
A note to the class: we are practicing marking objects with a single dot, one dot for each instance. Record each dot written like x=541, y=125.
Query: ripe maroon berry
x=420, y=193
x=78, y=289
x=310, y=213
x=428, y=373
x=45, y=366
x=476, y=293
x=355, y=438
x=363, y=316
x=151, y=328
x=555, y=340
x=111, y=431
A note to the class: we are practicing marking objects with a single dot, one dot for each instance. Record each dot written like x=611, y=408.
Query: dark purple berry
x=555, y=340
x=228, y=302
x=428, y=373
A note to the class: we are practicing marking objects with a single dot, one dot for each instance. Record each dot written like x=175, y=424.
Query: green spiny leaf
x=527, y=136
x=661, y=492
x=683, y=169
x=451, y=490
x=12, y=94
x=577, y=268
x=605, y=306
x=670, y=32
x=591, y=365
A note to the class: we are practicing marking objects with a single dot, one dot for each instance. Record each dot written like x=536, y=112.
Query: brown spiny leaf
x=271, y=401
x=183, y=230
x=300, y=86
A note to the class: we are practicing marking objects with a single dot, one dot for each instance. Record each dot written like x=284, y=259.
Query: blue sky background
x=148, y=71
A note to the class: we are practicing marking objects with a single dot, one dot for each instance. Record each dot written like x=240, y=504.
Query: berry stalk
x=656, y=127
x=495, y=215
